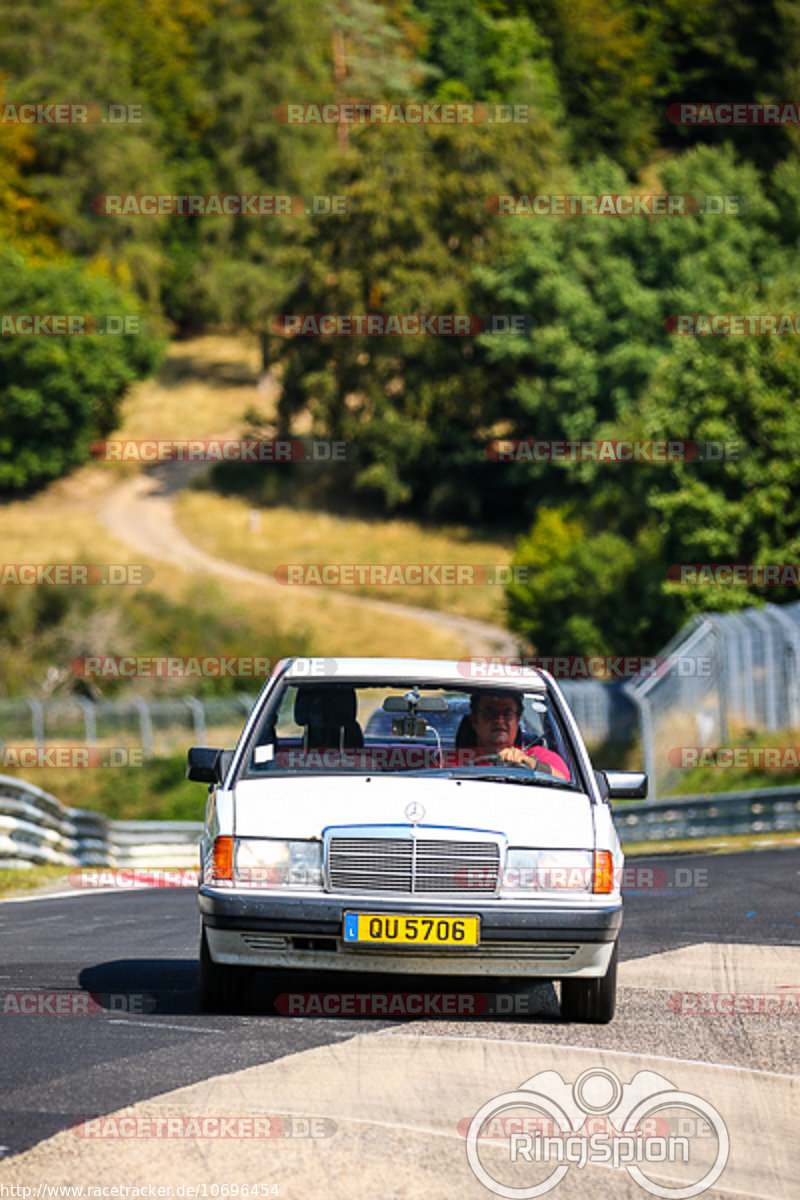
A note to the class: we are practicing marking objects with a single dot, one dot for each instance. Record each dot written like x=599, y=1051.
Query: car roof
x=465, y=673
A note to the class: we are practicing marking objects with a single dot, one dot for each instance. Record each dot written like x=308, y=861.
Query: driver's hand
x=514, y=754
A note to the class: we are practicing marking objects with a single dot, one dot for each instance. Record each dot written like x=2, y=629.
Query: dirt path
x=140, y=511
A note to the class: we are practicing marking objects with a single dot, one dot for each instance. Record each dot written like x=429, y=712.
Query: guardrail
x=36, y=829
x=759, y=810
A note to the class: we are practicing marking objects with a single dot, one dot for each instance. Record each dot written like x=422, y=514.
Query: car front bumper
x=549, y=940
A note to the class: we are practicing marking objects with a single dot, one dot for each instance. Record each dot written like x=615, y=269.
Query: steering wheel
x=489, y=760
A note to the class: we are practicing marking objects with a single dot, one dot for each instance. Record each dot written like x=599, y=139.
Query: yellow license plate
x=388, y=929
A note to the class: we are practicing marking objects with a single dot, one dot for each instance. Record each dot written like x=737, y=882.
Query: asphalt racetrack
x=99, y=1015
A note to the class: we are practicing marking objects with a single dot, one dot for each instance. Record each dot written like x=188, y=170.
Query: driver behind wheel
x=495, y=718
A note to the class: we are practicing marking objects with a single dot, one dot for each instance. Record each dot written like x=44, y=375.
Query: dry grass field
x=203, y=389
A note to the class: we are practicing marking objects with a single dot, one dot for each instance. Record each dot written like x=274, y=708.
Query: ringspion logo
x=631, y=1135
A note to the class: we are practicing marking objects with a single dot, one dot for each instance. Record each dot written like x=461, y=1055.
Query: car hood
x=292, y=806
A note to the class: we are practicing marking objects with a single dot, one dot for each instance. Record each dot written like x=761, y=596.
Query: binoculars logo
x=647, y=1126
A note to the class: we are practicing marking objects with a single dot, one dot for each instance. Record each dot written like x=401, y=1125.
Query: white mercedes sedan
x=402, y=816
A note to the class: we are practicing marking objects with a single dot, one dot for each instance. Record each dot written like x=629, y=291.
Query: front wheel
x=591, y=1001
x=221, y=987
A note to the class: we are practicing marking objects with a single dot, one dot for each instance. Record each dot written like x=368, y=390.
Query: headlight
x=534, y=872
x=266, y=863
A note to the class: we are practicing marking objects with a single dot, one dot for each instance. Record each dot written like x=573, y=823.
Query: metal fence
x=724, y=674
x=162, y=727
x=721, y=675
x=604, y=711
x=157, y=727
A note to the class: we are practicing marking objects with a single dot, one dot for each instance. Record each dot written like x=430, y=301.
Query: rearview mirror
x=424, y=704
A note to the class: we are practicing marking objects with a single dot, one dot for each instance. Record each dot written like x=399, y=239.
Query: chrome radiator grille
x=412, y=865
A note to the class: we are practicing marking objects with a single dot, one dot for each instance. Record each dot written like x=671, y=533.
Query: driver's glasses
x=488, y=713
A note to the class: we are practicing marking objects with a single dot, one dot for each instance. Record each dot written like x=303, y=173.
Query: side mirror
x=622, y=785
x=208, y=764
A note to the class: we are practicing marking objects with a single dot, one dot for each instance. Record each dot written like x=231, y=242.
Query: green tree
x=606, y=68
x=206, y=77
x=59, y=393
x=603, y=365
x=494, y=56
x=588, y=591
x=24, y=222
x=601, y=288
x=418, y=228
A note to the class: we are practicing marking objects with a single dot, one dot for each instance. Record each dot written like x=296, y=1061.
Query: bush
x=59, y=393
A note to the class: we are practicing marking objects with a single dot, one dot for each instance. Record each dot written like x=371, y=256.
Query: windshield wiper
x=530, y=777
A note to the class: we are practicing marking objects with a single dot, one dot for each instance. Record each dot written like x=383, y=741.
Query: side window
x=285, y=725
x=276, y=726
x=540, y=718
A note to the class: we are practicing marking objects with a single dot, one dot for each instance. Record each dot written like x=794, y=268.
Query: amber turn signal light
x=223, y=858
x=603, y=871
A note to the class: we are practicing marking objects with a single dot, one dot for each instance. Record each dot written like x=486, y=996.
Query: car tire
x=221, y=987
x=591, y=1001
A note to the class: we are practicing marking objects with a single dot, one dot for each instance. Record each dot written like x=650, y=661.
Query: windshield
x=357, y=728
